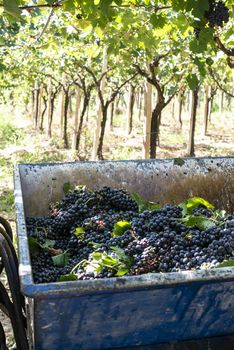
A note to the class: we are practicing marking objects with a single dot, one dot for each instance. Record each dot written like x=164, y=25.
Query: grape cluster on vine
x=217, y=14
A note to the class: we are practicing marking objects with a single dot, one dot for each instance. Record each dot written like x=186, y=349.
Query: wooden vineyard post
x=206, y=109
x=40, y=104
x=147, y=120
x=62, y=103
x=76, y=118
x=130, y=109
x=111, y=115
x=35, y=106
x=173, y=109
x=179, y=110
x=99, y=107
x=193, y=112
x=140, y=98
x=32, y=103
x=48, y=128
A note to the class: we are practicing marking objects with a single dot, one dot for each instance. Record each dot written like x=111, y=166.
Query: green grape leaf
x=143, y=204
x=120, y=227
x=68, y=277
x=152, y=206
x=118, y=2
x=158, y=21
x=201, y=66
x=198, y=7
x=61, y=260
x=194, y=46
x=97, y=256
x=108, y=261
x=48, y=244
x=209, y=61
x=2, y=66
x=50, y=2
x=34, y=246
x=179, y=161
x=226, y=263
x=122, y=272
x=192, y=81
x=153, y=19
x=200, y=222
x=196, y=201
x=94, y=245
x=105, y=6
x=188, y=236
x=79, y=232
x=119, y=252
x=66, y=187
x=118, y=262
x=139, y=200
x=11, y=7
x=192, y=203
x=184, y=207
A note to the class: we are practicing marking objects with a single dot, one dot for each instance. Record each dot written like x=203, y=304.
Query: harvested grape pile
x=109, y=233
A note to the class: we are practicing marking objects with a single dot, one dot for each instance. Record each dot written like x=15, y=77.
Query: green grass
x=123, y=152
x=7, y=204
x=9, y=133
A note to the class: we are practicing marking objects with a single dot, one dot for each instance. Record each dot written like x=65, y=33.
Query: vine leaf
x=119, y=252
x=192, y=81
x=34, y=246
x=117, y=261
x=226, y=263
x=179, y=161
x=61, y=260
x=79, y=232
x=200, y=222
x=68, y=277
x=120, y=227
x=94, y=245
x=143, y=204
x=121, y=272
x=48, y=244
x=11, y=7
x=192, y=203
x=109, y=261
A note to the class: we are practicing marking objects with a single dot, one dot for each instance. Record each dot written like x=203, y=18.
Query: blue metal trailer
x=135, y=311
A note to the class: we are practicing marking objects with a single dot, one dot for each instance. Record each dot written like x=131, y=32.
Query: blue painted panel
x=132, y=318
x=129, y=310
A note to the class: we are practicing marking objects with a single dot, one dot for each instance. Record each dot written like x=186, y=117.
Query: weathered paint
x=122, y=311
x=143, y=316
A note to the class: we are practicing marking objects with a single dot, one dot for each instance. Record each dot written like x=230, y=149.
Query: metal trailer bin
x=123, y=311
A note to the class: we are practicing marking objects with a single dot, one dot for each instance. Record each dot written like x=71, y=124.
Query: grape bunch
x=88, y=224
x=217, y=14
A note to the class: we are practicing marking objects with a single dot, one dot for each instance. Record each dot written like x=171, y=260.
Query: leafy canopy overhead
x=59, y=33
x=124, y=15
